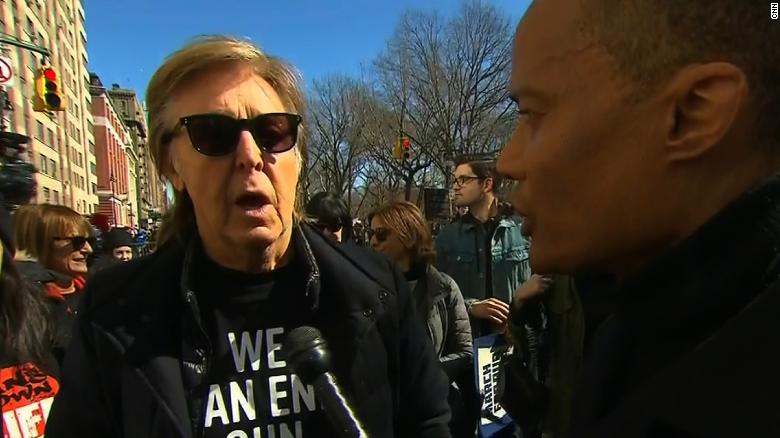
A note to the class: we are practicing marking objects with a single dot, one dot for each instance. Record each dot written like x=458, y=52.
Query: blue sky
x=127, y=40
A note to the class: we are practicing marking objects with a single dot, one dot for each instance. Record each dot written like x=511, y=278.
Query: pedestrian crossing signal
x=48, y=94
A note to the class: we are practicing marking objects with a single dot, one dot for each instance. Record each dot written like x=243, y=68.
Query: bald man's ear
x=707, y=99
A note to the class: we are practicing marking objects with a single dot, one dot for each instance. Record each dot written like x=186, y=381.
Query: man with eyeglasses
x=483, y=251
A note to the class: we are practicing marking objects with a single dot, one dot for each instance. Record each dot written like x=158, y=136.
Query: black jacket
x=694, y=347
x=61, y=312
x=124, y=374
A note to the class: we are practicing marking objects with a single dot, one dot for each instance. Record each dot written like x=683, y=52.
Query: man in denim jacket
x=483, y=251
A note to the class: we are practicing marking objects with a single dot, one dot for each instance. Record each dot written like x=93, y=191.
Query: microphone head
x=307, y=353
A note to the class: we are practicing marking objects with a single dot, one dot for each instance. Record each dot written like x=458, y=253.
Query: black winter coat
x=694, y=347
x=124, y=374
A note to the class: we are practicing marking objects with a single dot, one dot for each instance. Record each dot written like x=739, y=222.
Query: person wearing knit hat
x=119, y=244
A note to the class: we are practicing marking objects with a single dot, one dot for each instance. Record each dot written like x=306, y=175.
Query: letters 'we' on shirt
x=249, y=390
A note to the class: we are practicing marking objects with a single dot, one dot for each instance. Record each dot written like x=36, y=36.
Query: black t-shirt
x=248, y=390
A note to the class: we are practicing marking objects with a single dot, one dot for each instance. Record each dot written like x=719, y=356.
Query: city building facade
x=116, y=160
x=150, y=197
x=62, y=144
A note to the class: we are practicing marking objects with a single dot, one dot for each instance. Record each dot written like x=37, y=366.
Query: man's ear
x=171, y=172
x=488, y=185
x=707, y=99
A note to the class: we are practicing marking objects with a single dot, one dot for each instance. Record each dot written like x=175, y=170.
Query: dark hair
x=326, y=208
x=24, y=324
x=483, y=167
x=651, y=40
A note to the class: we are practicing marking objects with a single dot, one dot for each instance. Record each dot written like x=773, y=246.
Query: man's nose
x=510, y=161
x=248, y=153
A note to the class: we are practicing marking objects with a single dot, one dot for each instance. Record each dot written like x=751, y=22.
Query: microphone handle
x=337, y=408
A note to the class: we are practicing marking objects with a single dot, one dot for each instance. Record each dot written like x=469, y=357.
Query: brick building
x=116, y=159
x=62, y=144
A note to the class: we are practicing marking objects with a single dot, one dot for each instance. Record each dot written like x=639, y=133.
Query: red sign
x=27, y=394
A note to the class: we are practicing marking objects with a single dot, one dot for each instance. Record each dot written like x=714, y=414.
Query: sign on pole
x=6, y=72
x=488, y=354
x=436, y=203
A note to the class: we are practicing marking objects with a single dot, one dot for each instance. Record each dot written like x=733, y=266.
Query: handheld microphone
x=307, y=353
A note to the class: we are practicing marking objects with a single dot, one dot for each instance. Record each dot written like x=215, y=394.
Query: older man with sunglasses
x=186, y=342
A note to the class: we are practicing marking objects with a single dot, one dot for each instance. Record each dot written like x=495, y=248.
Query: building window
x=53, y=168
x=39, y=132
x=81, y=159
x=43, y=168
x=46, y=195
x=83, y=184
x=92, y=168
x=30, y=29
x=56, y=197
x=94, y=188
x=92, y=148
x=51, y=139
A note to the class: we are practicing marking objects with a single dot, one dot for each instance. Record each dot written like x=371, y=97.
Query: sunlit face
x=467, y=188
x=587, y=160
x=69, y=254
x=122, y=253
x=387, y=241
x=244, y=199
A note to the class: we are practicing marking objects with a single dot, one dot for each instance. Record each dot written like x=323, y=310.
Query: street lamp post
x=111, y=181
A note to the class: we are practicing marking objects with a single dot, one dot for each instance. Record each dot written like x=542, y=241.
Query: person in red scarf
x=28, y=369
x=53, y=243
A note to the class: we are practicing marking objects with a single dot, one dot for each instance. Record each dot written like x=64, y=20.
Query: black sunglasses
x=381, y=234
x=333, y=228
x=216, y=135
x=77, y=242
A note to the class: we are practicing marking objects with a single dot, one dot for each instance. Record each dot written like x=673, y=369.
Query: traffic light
x=48, y=95
x=397, y=150
x=406, y=144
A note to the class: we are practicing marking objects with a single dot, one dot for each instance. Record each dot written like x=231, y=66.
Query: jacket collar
x=719, y=269
x=301, y=248
x=434, y=284
x=469, y=222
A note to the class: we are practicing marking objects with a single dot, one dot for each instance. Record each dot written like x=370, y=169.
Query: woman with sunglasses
x=52, y=250
x=399, y=231
x=190, y=340
x=328, y=213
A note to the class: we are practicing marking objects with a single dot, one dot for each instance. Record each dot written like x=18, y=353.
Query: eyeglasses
x=77, y=242
x=381, y=234
x=217, y=135
x=464, y=179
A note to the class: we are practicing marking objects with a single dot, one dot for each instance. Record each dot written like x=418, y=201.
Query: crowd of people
x=636, y=276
